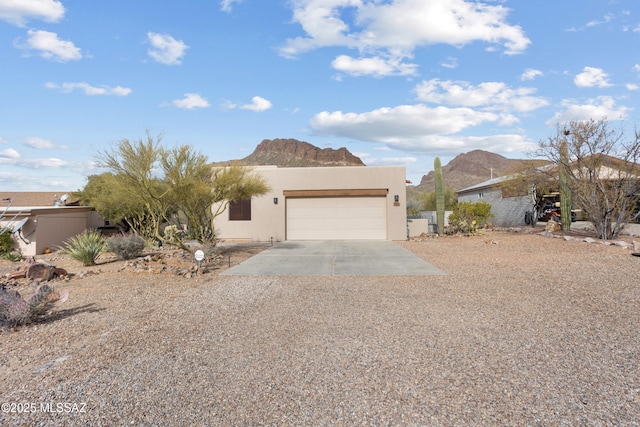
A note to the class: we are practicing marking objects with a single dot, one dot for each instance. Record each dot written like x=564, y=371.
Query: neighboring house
x=321, y=203
x=512, y=207
x=509, y=209
x=43, y=220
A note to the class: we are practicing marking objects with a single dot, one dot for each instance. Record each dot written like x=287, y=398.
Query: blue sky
x=397, y=82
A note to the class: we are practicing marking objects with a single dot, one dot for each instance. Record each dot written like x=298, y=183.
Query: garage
x=336, y=218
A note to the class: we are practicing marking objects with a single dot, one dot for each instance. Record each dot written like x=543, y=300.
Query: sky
x=396, y=82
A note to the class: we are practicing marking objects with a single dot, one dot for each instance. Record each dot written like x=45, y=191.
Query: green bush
x=6, y=241
x=85, y=247
x=6, y=246
x=126, y=247
x=468, y=217
x=11, y=256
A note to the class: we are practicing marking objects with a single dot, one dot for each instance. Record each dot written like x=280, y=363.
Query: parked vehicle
x=549, y=209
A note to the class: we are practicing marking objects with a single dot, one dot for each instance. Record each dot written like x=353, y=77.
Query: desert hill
x=472, y=168
x=294, y=153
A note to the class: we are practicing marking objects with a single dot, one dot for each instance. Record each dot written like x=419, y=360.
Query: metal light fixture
x=275, y=200
x=396, y=198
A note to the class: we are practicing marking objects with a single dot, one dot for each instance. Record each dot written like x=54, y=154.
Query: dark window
x=240, y=210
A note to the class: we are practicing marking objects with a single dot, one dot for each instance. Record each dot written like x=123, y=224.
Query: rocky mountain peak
x=294, y=153
x=471, y=168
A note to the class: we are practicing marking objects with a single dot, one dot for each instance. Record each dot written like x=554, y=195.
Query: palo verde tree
x=233, y=183
x=427, y=200
x=136, y=179
x=148, y=187
x=600, y=169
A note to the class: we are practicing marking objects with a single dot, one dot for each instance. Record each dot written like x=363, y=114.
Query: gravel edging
x=522, y=330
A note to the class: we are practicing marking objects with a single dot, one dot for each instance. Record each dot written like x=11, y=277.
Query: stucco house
x=513, y=205
x=321, y=203
x=510, y=209
x=41, y=220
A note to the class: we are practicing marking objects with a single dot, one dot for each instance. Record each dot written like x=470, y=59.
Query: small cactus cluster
x=14, y=310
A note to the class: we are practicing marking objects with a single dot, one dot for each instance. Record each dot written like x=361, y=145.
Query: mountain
x=294, y=153
x=472, y=168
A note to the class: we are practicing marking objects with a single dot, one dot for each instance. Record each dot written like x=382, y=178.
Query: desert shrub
x=126, y=247
x=468, y=217
x=11, y=256
x=6, y=241
x=6, y=246
x=85, y=247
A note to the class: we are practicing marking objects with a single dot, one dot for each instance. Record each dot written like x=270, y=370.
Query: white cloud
x=530, y=74
x=88, y=89
x=225, y=5
x=449, y=62
x=165, y=49
x=606, y=19
x=591, y=77
x=44, y=163
x=601, y=107
x=398, y=27
x=376, y=66
x=489, y=95
x=191, y=101
x=390, y=161
x=9, y=153
x=636, y=68
x=391, y=125
x=50, y=46
x=632, y=86
x=36, y=142
x=2, y=141
x=18, y=12
x=258, y=104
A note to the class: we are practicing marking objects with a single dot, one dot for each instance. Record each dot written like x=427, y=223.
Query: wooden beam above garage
x=368, y=192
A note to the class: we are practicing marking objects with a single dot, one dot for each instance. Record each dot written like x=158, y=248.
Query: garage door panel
x=334, y=218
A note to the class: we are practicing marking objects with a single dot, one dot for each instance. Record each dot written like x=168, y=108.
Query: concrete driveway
x=335, y=258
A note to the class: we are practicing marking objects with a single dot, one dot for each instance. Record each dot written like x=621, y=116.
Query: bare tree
x=600, y=170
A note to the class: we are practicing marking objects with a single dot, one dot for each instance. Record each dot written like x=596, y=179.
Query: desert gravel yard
x=521, y=330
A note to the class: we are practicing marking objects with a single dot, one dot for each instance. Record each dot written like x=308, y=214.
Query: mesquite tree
x=601, y=171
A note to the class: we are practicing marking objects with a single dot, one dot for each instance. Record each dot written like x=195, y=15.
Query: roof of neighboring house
x=487, y=184
x=32, y=198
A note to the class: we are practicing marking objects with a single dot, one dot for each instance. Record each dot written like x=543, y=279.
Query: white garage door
x=336, y=218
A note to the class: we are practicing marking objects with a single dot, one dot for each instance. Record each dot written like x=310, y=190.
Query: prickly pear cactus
x=14, y=310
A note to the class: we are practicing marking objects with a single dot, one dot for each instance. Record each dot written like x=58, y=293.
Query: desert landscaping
x=523, y=329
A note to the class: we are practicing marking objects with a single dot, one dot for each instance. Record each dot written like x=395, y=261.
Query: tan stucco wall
x=49, y=227
x=268, y=219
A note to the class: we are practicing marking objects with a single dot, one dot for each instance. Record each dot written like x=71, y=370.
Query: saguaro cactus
x=439, y=194
x=565, y=191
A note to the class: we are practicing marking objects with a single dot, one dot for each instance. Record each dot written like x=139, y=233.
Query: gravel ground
x=522, y=330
